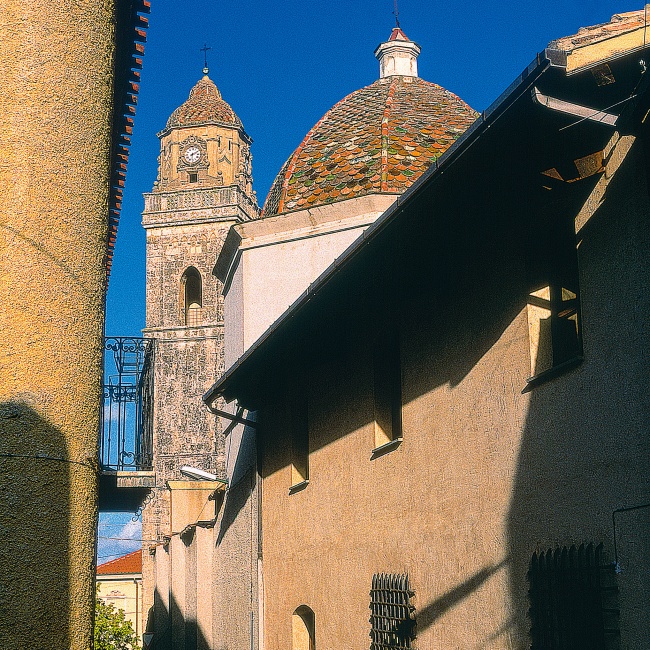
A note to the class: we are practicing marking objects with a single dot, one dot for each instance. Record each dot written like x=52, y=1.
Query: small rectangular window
x=387, y=381
x=392, y=616
x=194, y=178
x=554, y=300
x=299, y=423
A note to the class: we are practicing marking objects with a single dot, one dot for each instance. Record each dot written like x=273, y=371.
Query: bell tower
x=204, y=186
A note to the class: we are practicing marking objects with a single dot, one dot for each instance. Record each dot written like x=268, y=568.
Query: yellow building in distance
x=119, y=582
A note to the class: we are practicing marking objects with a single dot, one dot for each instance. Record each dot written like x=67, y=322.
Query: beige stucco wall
x=206, y=578
x=280, y=256
x=57, y=80
x=485, y=475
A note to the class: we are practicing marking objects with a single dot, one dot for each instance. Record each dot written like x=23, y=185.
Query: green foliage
x=112, y=630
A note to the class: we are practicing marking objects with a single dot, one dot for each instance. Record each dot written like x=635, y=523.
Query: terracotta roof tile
x=619, y=23
x=204, y=105
x=365, y=143
x=131, y=563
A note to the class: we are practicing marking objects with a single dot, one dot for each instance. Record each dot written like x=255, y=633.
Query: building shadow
x=584, y=449
x=433, y=611
x=173, y=629
x=34, y=531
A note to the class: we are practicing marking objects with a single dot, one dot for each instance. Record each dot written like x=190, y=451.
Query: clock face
x=192, y=154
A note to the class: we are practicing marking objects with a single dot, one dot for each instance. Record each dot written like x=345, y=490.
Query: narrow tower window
x=193, y=297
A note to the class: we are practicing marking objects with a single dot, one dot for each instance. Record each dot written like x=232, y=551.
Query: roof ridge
x=385, y=136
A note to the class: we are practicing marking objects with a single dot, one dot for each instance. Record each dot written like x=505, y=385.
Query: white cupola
x=398, y=55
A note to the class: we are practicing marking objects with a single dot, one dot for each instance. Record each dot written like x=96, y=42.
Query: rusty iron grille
x=573, y=600
x=126, y=435
x=392, y=616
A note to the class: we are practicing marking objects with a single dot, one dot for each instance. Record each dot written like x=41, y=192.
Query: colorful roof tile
x=619, y=24
x=127, y=564
x=378, y=139
x=204, y=105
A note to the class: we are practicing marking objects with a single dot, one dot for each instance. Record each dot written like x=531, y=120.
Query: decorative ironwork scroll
x=126, y=435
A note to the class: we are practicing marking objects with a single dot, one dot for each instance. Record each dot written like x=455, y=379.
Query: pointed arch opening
x=192, y=297
x=303, y=629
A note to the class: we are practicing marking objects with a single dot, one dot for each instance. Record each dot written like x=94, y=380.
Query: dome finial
x=398, y=55
x=205, y=49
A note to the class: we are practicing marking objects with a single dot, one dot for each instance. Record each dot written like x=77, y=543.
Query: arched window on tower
x=192, y=294
x=303, y=631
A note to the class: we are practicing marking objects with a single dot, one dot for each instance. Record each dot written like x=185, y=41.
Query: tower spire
x=396, y=14
x=205, y=49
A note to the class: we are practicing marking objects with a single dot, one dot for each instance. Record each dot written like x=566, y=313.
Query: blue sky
x=281, y=65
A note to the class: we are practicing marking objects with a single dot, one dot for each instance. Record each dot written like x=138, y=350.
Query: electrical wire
x=94, y=467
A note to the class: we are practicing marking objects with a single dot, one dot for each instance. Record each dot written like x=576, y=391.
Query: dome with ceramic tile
x=378, y=139
x=204, y=106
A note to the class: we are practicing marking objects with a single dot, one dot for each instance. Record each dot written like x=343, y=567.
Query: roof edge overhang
x=599, y=51
x=235, y=127
x=541, y=72
x=223, y=387
x=130, y=36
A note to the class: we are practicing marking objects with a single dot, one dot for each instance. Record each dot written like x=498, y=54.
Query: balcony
x=126, y=427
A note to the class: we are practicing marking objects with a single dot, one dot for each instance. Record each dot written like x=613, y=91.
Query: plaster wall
x=275, y=276
x=278, y=257
x=206, y=578
x=56, y=63
x=485, y=475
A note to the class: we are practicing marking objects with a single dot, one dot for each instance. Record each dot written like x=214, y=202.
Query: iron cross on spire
x=205, y=49
x=396, y=14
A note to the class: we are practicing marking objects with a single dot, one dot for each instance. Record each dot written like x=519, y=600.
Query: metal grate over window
x=573, y=600
x=392, y=616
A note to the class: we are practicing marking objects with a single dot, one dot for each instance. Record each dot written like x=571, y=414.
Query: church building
x=404, y=405
x=201, y=585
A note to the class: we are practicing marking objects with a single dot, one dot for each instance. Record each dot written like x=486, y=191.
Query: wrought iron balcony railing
x=126, y=436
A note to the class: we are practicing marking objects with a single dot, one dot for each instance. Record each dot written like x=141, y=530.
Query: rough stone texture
x=54, y=192
x=195, y=200
x=378, y=139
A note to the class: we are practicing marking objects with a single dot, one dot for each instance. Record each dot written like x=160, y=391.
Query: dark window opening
x=303, y=629
x=387, y=379
x=194, y=177
x=392, y=617
x=573, y=600
x=299, y=423
x=192, y=297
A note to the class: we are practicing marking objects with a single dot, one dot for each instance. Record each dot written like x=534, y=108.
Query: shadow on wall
x=432, y=612
x=185, y=634
x=34, y=529
x=242, y=480
x=585, y=446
